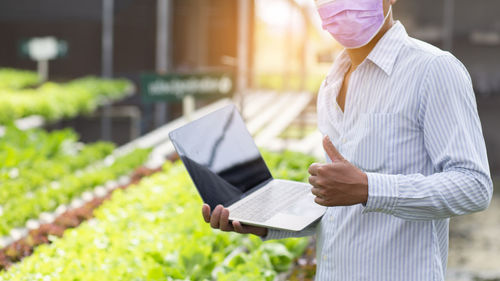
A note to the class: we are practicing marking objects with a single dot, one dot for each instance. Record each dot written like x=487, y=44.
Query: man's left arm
x=454, y=143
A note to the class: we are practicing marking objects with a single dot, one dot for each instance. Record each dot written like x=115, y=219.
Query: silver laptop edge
x=227, y=168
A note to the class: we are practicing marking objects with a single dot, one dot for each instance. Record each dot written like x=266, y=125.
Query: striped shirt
x=411, y=123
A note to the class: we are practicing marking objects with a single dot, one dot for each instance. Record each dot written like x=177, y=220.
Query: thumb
x=331, y=150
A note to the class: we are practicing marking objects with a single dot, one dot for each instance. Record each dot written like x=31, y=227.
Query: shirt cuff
x=382, y=193
x=273, y=234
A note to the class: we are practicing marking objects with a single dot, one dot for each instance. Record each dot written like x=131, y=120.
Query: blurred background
x=269, y=56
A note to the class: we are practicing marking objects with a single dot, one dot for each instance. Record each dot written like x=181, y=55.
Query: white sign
x=42, y=49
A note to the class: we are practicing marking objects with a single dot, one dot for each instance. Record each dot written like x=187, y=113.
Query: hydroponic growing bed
x=154, y=231
x=39, y=171
x=21, y=95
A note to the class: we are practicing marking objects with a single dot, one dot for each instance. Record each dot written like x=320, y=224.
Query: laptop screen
x=220, y=156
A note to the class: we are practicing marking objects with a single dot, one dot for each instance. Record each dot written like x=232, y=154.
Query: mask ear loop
x=383, y=23
x=388, y=13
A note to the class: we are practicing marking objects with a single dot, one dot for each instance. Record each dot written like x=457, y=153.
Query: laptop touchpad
x=305, y=207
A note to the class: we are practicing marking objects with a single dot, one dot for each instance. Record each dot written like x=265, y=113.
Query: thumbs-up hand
x=338, y=183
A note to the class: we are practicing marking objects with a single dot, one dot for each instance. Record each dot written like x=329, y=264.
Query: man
x=405, y=150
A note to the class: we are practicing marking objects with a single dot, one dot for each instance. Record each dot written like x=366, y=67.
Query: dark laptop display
x=223, y=161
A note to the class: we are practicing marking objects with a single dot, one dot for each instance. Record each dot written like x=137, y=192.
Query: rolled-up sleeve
x=455, y=145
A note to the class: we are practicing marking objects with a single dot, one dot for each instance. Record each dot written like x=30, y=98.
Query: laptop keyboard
x=265, y=203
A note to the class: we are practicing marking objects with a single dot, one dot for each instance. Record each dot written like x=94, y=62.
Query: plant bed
x=154, y=231
x=40, y=171
x=69, y=219
x=17, y=79
x=55, y=101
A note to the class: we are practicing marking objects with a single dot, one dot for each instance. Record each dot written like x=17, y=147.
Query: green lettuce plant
x=55, y=101
x=154, y=231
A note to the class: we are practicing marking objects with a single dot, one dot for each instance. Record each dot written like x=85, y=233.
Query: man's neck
x=358, y=55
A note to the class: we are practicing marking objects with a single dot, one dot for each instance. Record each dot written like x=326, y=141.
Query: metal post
x=43, y=70
x=188, y=107
x=243, y=49
x=202, y=34
x=288, y=50
x=448, y=21
x=303, y=59
x=107, y=61
x=163, y=19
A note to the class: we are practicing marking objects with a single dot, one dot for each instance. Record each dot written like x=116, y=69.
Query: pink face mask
x=353, y=23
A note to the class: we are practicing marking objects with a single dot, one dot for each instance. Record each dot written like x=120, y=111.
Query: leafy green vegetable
x=35, y=158
x=154, y=231
x=17, y=79
x=55, y=101
x=40, y=170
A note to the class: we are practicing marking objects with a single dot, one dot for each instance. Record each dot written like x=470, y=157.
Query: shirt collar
x=385, y=53
x=339, y=67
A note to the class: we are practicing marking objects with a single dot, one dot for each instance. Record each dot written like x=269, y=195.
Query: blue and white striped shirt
x=411, y=124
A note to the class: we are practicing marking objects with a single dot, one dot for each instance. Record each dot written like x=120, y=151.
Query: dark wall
x=424, y=17
x=469, y=15
x=481, y=60
x=83, y=57
x=203, y=32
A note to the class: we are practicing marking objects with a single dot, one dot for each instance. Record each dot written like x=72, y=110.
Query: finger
x=205, y=210
x=313, y=180
x=313, y=169
x=317, y=182
x=317, y=192
x=238, y=227
x=224, y=224
x=330, y=149
x=215, y=218
x=321, y=201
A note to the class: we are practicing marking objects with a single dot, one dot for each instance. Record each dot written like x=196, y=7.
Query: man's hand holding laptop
x=219, y=219
x=338, y=183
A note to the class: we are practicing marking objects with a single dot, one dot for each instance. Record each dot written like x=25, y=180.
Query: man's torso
x=377, y=130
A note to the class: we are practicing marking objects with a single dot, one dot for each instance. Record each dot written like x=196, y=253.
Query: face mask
x=353, y=23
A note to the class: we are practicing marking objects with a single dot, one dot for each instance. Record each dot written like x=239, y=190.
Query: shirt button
x=344, y=140
x=330, y=218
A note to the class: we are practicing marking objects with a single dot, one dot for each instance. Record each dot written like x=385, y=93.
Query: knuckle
x=321, y=170
x=317, y=200
x=314, y=191
x=320, y=182
x=322, y=193
x=311, y=180
x=310, y=169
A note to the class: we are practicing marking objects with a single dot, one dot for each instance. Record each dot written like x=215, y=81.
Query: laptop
x=227, y=168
